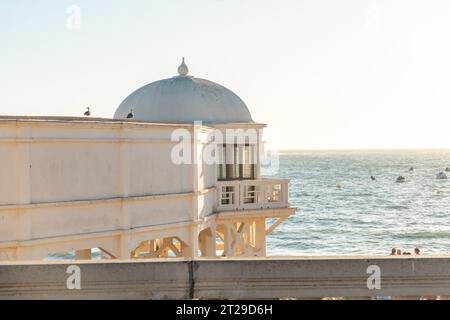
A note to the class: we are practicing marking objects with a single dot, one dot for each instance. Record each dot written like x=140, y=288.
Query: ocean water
x=341, y=211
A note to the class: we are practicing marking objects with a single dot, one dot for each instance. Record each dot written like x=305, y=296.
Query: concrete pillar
x=189, y=249
x=167, y=244
x=260, y=236
x=208, y=243
x=228, y=251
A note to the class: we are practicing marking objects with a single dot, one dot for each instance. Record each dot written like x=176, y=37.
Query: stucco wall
x=74, y=161
x=8, y=164
x=275, y=278
x=72, y=178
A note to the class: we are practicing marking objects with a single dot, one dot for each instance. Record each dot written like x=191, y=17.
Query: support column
x=208, y=243
x=190, y=249
x=260, y=236
x=228, y=250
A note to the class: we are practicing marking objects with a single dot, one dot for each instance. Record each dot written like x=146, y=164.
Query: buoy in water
x=441, y=175
x=400, y=179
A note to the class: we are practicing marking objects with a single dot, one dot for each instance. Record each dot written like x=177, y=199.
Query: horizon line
x=363, y=149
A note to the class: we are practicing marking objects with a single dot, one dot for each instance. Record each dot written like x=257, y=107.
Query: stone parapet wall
x=261, y=278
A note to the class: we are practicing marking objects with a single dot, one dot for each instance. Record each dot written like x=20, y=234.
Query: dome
x=184, y=99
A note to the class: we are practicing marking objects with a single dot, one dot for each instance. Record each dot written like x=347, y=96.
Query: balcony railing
x=252, y=194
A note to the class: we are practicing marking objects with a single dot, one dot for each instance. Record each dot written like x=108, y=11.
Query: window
x=227, y=197
x=236, y=162
x=250, y=194
x=247, y=168
x=274, y=193
x=222, y=156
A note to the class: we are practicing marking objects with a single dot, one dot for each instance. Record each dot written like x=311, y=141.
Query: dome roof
x=184, y=99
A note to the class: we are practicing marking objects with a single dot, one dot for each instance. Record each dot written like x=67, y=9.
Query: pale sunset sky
x=323, y=74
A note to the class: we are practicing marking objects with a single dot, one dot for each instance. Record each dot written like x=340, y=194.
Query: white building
x=80, y=183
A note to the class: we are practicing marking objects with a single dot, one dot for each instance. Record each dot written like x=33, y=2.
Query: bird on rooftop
x=130, y=115
x=88, y=112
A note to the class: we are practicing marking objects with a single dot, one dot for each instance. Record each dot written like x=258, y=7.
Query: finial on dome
x=183, y=69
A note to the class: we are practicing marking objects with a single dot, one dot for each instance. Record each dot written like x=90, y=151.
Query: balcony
x=252, y=194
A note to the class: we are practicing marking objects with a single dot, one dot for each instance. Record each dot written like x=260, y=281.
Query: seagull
x=88, y=112
x=130, y=115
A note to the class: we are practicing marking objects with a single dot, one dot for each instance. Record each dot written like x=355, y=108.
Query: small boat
x=441, y=175
x=400, y=179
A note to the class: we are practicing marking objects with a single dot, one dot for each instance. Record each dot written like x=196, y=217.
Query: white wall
x=81, y=179
x=80, y=161
x=8, y=180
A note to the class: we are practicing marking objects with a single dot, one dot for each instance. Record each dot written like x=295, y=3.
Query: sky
x=322, y=74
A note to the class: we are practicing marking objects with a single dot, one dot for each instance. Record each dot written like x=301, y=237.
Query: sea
x=340, y=210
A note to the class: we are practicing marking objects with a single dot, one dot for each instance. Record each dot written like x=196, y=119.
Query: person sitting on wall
x=399, y=252
x=417, y=251
x=393, y=251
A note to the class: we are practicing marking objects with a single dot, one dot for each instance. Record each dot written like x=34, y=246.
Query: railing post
x=263, y=193
x=218, y=196
x=236, y=196
x=240, y=190
x=285, y=190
